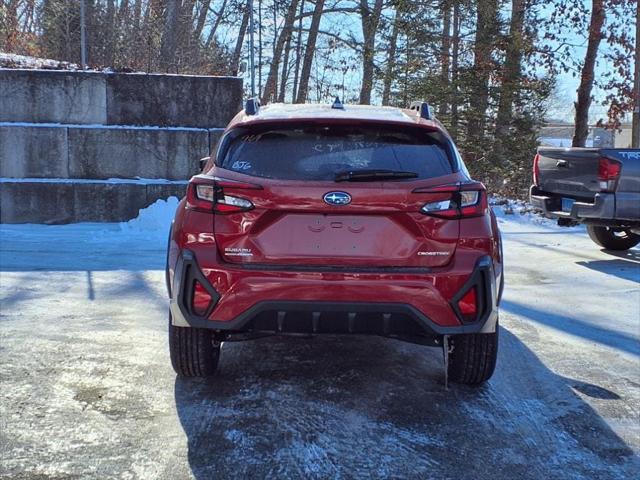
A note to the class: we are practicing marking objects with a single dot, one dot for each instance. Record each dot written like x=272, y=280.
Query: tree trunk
x=635, y=124
x=309, y=51
x=202, y=18
x=216, y=24
x=486, y=27
x=511, y=72
x=184, y=58
x=259, y=46
x=272, y=80
x=391, y=61
x=109, y=44
x=370, y=21
x=285, y=69
x=237, y=52
x=296, y=72
x=168, y=43
x=455, y=55
x=137, y=13
x=583, y=101
x=445, y=56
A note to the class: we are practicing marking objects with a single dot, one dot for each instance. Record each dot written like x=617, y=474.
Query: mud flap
x=445, y=357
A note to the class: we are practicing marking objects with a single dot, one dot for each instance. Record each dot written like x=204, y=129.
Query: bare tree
x=445, y=56
x=511, y=71
x=391, y=61
x=455, y=55
x=237, y=53
x=303, y=88
x=202, y=18
x=296, y=72
x=486, y=29
x=635, y=124
x=583, y=101
x=169, y=42
x=272, y=80
x=370, y=21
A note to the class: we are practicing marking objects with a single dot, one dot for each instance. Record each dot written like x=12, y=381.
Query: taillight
x=468, y=200
x=608, y=173
x=468, y=304
x=536, y=169
x=207, y=194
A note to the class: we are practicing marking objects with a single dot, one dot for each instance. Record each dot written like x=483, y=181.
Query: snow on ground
x=87, y=389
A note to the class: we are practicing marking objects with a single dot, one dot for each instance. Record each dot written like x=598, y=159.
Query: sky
x=560, y=107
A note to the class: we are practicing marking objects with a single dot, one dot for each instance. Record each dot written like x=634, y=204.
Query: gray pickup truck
x=599, y=187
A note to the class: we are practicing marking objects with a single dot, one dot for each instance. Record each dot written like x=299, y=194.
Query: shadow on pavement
x=571, y=325
x=624, y=269
x=366, y=407
x=624, y=264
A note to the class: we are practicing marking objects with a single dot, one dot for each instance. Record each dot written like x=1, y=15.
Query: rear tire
x=613, y=238
x=193, y=351
x=472, y=357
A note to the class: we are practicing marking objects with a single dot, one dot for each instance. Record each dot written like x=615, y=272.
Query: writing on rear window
x=320, y=152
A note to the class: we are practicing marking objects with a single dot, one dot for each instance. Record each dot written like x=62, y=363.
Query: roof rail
x=423, y=109
x=337, y=104
x=252, y=106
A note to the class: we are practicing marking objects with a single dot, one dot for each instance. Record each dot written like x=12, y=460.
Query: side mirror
x=203, y=163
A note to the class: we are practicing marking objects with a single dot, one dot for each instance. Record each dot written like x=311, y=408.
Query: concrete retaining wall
x=99, y=153
x=56, y=126
x=44, y=96
x=55, y=202
x=38, y=96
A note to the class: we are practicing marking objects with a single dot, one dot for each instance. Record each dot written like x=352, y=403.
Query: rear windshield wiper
x=372, y=175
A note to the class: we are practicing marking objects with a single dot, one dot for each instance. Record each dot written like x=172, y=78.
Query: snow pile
x=153, y=221
x=518, y=215
x=12, y=60
x=519, y=211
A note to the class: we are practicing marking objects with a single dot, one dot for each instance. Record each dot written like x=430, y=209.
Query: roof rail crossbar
x=423, y=109
x=252, y=106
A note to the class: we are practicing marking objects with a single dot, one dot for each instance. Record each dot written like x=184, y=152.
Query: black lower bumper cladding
x=187, y=274
x=395, y=320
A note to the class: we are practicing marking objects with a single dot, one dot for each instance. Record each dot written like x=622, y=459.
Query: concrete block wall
x=57, y=127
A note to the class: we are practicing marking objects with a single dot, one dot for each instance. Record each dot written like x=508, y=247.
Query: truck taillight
x=608, y=173
x=207, y=194
x=468, y=200
x=536, y=169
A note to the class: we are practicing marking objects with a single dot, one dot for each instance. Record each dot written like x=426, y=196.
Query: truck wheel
x=193, y=351
x=613, y=238
x=472, y=357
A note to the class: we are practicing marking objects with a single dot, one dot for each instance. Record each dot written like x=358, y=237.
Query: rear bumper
x=603, y=206
x=620, y=206
x=393, y=305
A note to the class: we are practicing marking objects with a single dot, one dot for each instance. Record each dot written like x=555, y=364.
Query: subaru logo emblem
x=337, y=198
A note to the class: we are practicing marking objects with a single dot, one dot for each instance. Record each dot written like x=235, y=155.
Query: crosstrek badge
x=238, y=252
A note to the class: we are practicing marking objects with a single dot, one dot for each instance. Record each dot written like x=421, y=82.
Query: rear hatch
x=335, y=197
x=570, y=172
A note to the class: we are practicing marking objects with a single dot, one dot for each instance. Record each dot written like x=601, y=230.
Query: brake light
x=468, y=200
x=207, y=194
x=536, y=169
x=468, y=304
x=608, y=173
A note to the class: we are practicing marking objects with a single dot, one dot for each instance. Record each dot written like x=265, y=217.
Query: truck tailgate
x=571, y=172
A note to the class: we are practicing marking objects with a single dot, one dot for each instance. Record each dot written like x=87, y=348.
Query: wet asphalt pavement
x=87, y=390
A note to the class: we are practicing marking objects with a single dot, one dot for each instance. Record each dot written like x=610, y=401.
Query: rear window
x=319, y=153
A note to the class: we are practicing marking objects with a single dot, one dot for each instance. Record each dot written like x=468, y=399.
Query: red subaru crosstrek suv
x=334, y=219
